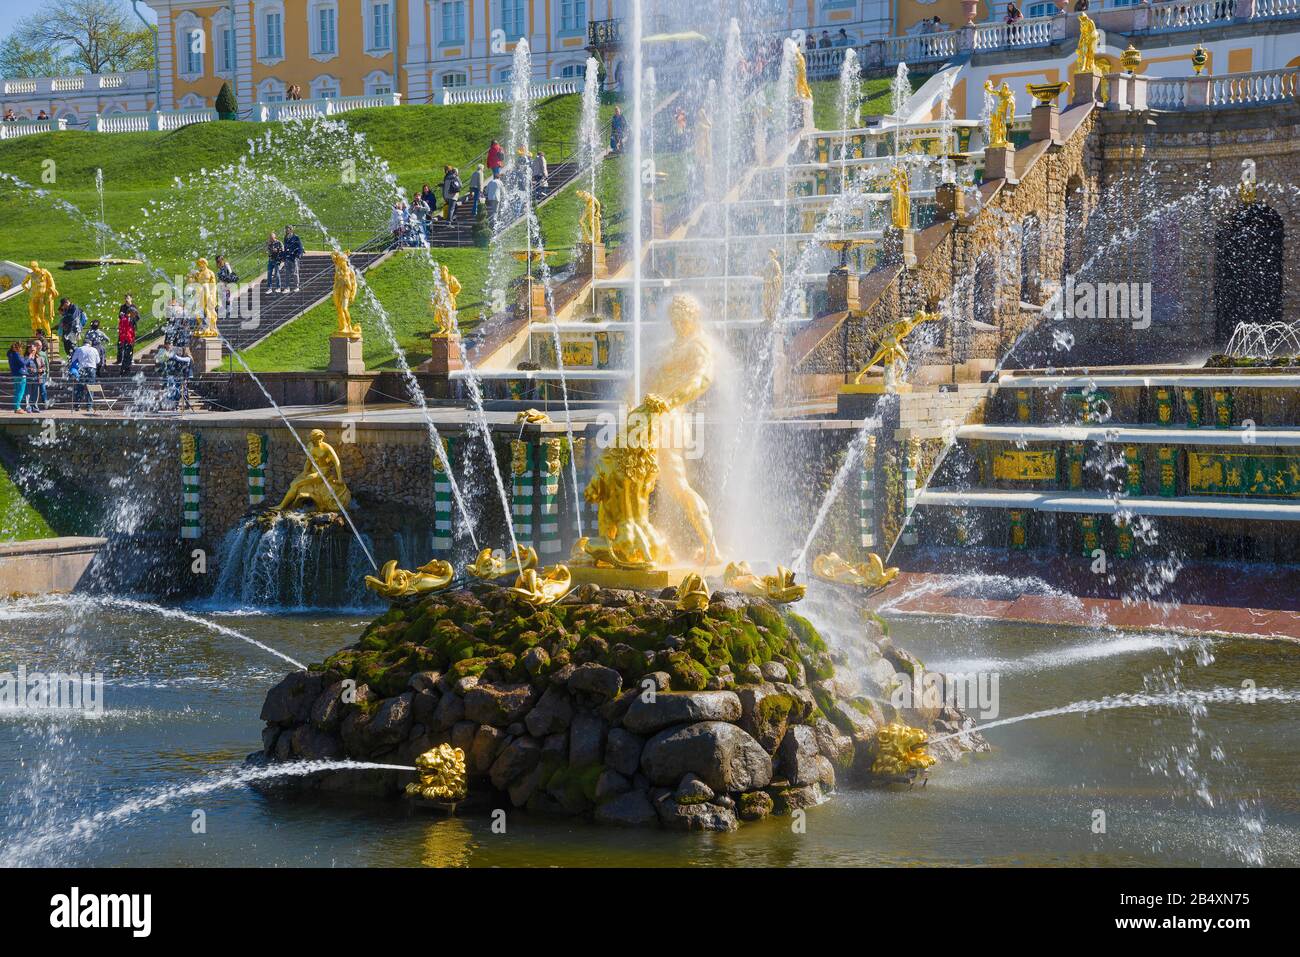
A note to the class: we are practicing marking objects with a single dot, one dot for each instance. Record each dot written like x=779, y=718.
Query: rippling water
x=1214, y=786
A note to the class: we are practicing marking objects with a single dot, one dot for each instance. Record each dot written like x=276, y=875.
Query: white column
x=416, y=68
x=166, y=62
x=245, y=91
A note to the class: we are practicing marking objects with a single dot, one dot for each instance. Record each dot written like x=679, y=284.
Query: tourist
x=10, y=117
x=842, y=38
x=428, y=196
x=274, y=263
x=227, y=276
x=38, y=397
x=397, y=220
x=491, y=197
x=128, y=320
x=1013, y=13
x=71, y=322
x=83, y=370
x=825, y=42
x=423, y=214
x=97, y=339
x=475, y=189
x=1081, y=6
x=42, y=115
x=178, y=323
x=541, y=174
x=496, y=157
x=293, y=252
x=617, y=130
x=18, y=373
x=450, y=191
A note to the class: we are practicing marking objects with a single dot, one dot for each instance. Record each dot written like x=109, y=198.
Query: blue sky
x=11, y=11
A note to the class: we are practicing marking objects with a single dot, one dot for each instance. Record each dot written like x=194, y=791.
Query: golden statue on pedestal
x=1003, y=114
x=43, y=295
x=869, y=574
x=442, y=776
x=1086, y=54
x=444, y=306
x=900, y=200
x=693, y=594
x=394, y=583
x=801, y=88
x=891, y=355
x=773, y=286
x=345, y=290
x=590, y=222
x=320, y=482
x=205, y=286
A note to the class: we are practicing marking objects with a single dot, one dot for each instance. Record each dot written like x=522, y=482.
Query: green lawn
x=178, y=195
x=876, y=98
x=19, y=521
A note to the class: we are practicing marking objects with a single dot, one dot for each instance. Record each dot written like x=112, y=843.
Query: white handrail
x=501, y=92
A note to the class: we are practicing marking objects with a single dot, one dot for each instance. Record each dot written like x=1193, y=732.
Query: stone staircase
x=460, y=232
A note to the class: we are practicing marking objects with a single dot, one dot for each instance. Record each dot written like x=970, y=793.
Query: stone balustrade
x=1205, y=92
x=321, y=107
x=45, y=87
x=501, y=92
x=140, y=121
x=9, y=131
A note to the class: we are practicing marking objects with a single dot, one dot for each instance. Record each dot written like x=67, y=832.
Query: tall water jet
x=638, y=179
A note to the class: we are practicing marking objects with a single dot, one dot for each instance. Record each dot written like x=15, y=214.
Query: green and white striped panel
x=191, y=460
x=522, y=455
x=256, y=459
x=913, y=456
x=548, y=497
x=443, y=504
x=867, y=494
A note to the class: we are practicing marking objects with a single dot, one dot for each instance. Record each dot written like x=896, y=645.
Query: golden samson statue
x=204, y=281
x=43, y=294
x=345, y=290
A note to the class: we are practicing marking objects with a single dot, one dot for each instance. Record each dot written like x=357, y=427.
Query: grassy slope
x=875, y=98
x=138, y=167
x=19, y=520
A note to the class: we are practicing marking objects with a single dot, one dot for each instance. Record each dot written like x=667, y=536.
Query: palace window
x=273, y=35
x=325, y=88
x=573, y=70
x=190, y=44
x=514, y=18
x=194, y=52
x=379, y=25
x=453, y=21
x=226, y=50
x=378, y=83
x=326, y=24
x=1041, y=10
x=573, y=16
x=450, y=80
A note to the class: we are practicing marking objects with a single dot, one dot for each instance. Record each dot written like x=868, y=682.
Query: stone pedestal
x=1087, y=87
x=842, y=291
x=591, y=260
x=950, y=200
x=1000, y=163
x=207, y=354
x=899, y=246
x=444, y=354
x=345, y=355
x=1045, y=123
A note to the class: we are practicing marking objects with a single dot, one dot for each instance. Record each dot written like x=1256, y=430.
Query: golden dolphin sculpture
x=393, y=582
x=543, y=588
x=780, y=588
x=490, y=564
x=869, y=574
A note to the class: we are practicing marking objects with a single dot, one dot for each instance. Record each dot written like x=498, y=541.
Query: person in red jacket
x=128, y=317
x=496, y=158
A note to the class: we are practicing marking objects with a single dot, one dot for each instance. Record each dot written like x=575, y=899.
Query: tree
x=95, y=36
x=227, y=106
x=17, y=59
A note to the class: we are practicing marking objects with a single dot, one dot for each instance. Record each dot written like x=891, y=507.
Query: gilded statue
x=780, y=588
x=444, y=305
x=442, y=775
x=590, y=221
x=869, y=574
x=900, y=200
x=320, y=482
x=39, y=283
x=492, y=564
x=345, y=290
x=901, y=752
x=625, y=476
x=394, y=583
x=891, y=355
x=1003, y=114
x=801, y=88
x=703, y=138
x=773, y=286
x=693, y=594
x=204, y=281
x=684, y=375
x=532, y=417
x=542, y=588
x=1086, y=55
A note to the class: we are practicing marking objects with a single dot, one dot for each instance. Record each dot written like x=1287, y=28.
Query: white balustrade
x=1276, y=8
x=1033, y=32
x=9, y=131
x=927, y=46
x=86, y=83
x=140, y=121
x=321, y=107
x=1248, y=89
x=501, y=92
x=1167, y=94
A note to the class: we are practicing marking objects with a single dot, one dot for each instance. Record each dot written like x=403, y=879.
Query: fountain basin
x=613, y=705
